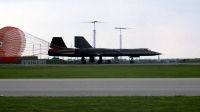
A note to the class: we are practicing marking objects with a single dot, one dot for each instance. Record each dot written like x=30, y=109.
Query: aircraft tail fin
x=57, y=42
x=81, y=42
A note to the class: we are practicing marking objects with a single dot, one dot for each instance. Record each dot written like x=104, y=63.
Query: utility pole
x=94, y=33
x=120, y=36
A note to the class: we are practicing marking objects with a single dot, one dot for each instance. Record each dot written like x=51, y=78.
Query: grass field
x=139, y=71
x=100, y=104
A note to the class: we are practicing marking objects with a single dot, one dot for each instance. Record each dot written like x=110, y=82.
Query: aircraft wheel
x=83, y=62
x=99, y=62
x=131, y=61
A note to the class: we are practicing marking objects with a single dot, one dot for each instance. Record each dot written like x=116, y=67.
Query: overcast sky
x=171, y=27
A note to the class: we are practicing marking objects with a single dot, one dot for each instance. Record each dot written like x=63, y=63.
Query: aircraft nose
x=157, y=53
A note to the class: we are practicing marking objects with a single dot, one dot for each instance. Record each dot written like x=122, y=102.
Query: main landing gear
x=83, y=61
x=100, y=60
x=131, y=61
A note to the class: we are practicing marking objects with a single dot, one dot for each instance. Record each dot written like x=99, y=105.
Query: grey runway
x=101, y=87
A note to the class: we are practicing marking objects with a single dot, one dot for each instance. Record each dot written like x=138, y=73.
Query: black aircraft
x=84, y=49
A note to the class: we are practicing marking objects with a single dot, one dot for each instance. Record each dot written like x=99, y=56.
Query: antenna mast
x=120, y=36
x=94, y=33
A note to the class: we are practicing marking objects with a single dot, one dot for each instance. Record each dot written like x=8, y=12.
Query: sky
x=171, y=27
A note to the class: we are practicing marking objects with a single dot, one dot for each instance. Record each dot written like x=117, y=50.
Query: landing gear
x=83, y=60
x=100, y=60
x=131, y=61
x=91, y=59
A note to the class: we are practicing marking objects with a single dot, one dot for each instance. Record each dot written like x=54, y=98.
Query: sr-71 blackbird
x=84, y=49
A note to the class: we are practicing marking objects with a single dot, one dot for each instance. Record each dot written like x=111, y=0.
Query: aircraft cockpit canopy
x=145, y=49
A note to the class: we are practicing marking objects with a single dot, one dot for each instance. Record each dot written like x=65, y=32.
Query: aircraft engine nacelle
x=85, y=51
x=97, y=52
x=93, y=51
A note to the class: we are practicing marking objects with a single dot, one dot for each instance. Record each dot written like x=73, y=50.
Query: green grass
x=139, y=71
x=100, y=104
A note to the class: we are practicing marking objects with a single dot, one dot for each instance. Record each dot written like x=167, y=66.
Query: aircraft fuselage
x=84, y=49
x=87, y=52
